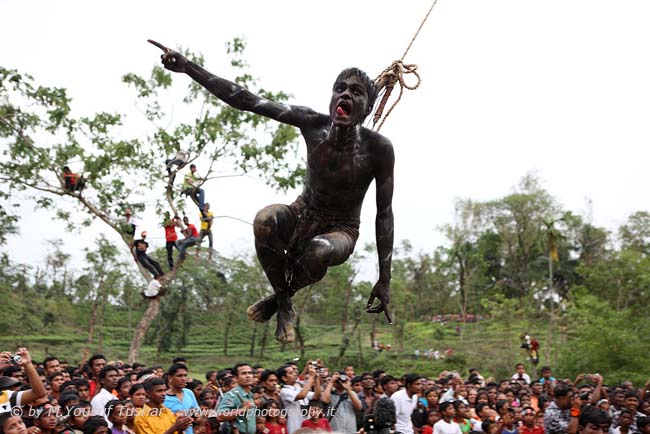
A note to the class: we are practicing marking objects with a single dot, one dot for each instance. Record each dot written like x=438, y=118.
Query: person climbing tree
x=191, y=187
x=180, y=160
x=140, y=246
x=206, y=229
x=170, y=225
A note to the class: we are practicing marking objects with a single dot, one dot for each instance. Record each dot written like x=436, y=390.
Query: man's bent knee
x=265, y=224
x=320, y=249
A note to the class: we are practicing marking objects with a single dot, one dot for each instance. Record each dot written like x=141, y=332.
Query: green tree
x=41, y=135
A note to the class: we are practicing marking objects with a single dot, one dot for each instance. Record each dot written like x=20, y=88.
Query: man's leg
x=323, y=251
x=142, y=259
x=155, y=264
x=273, y=227
x=201, y=198
x=170, y=256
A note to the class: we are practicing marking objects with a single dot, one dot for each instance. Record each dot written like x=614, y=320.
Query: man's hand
x=26, y=358
x=380, y=291
x=171, y=60
x=182, y=423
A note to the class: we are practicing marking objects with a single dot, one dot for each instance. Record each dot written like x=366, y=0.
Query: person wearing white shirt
x=446, y=425
x=521, y=373
x=108, y=378
x=405, y=402
x=293, y=394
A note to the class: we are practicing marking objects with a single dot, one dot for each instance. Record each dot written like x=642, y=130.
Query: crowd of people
x=100, y=396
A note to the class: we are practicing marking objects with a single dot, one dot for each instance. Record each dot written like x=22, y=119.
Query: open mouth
x=343, y=109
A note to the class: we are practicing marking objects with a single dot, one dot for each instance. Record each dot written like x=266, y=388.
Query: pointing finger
x=159, y=45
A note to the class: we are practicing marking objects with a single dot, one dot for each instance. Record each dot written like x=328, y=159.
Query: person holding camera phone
x=294, y=395
x=343, y=402
x=10, y=399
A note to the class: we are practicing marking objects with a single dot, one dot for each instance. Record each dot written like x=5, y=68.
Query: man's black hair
x=266, y=374
x=254, y=367
x=81, y=382
x=235, y=369
x=138, y=365
x=105, y=370
x=593, y=415
x=377, y=372
x=194, y=384
x=485, y=426
x=67, y=397
x=68, y=384
x=631, y=394
x=442, y=407
x=371, y=89
x=561, y=390
x=387, y=379
x=179, y=359
x=480, y=406
x=49, y=359
x=135, y=387
x=411, y=378
x=53, y=375
x=175, y=367
x=223, y=374
x=153, y=382
x=110, y=406
x=357, y=379
x=642, y=422
x=121, y=381
x=545, y=368
x=95, y=357
x=282, y=371
x=144, y=372
x=228, y=381
x=93, y=422
x=209, y=374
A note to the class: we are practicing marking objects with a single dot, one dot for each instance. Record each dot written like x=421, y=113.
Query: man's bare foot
x=263, y=309
x=284, y=332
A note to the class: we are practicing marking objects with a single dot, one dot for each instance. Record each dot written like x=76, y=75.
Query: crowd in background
x=100, y=396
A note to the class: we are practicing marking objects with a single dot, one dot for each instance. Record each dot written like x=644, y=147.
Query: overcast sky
x=560, y=87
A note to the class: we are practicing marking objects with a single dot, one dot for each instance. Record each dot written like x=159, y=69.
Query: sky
x=559, y=88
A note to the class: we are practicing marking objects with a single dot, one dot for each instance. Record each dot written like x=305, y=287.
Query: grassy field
x=488, y=345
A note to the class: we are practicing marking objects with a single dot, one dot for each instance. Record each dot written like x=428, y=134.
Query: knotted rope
x=393, y=75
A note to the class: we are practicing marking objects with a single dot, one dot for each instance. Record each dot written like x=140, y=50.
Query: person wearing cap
x=140, y=248
x=529, y=417
x=9, y=398
x=405, y=402
x=128, y=224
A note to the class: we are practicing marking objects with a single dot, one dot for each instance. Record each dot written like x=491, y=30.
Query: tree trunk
x=300, y=343
x=142, y=327
x=344, y=314
x=265, y=335
x=226, y=336
x=93, y=320
x=251, y=353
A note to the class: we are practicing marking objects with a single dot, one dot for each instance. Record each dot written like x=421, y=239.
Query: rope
x=393, y=75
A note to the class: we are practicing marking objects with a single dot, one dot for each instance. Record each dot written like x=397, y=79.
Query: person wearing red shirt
x=170, y=226
x=191, y=237
x=273, y=423
x=528, y=416
x=316, y=420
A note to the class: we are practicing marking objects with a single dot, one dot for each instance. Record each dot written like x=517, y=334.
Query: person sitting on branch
x=192, y=187
x=297, y=243
x=73, y=181
x=191, y=236
x=140, y=246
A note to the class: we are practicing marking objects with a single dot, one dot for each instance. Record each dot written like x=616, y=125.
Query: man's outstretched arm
x=384, y=235
x=235, y=95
